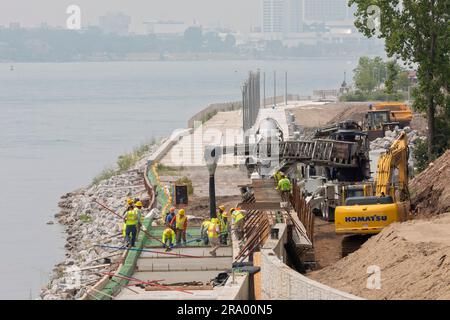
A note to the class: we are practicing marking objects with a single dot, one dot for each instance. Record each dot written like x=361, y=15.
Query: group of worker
x=176, y=228
x=214, y=232
x=132, y=221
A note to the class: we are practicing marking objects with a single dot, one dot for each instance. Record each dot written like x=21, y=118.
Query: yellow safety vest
x=132, y=218
x=139, y=215
x=168, y=233
x=212, y=230
x=238, y=216
x=180, y=222
x=223, y=225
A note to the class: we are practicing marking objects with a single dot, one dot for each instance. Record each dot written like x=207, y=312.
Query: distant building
x=327, y=10
x=115, y=23
x=166, y=28
x=274, y=17
x=14, y=25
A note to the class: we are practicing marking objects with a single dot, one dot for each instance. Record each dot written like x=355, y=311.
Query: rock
x=50, y=222
x=407, y=129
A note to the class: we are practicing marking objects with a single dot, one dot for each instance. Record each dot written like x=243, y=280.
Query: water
x=61, y=124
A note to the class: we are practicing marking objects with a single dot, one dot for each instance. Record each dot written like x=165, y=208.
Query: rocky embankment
x=87, y=224
x=390, y=136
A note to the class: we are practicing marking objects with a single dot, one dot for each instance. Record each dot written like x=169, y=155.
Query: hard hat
x=224, y=215
x=231, y=210
x=222, y=208
x=215, y=220
x=181, y=212
x=172, y=209
x=138, y=204
x=129, y=201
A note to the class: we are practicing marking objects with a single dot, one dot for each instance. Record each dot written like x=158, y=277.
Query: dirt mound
x=353, y=111
x=413, y=257
x=430, y=190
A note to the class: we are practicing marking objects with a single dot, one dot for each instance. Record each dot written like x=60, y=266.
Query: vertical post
x=212, y=197
x=264, y=86
x=274, y=88
x=286, y=90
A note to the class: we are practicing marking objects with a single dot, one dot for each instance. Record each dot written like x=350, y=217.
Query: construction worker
x=224, y=229
x=204, y=231
x=284, y=185
x=130, y=206
x=220, y=212
x=238, y=223
x=138, y=208
x=131, y=222
x=168, y=238
x=278, y=176
x=170, y=215
x=180, y=221
x=213, y=235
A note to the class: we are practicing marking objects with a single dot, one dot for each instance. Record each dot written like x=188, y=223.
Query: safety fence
x=303, y=210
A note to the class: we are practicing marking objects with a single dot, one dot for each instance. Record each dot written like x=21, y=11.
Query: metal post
x=286, y=90
x=212, y=197
x=274, y=88
x=264, y=86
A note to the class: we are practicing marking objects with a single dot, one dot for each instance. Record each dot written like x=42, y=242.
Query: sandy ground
x=414, y=259
x=327, y=244
x=430, y=190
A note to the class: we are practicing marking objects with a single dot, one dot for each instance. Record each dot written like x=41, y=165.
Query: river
x=62, y=123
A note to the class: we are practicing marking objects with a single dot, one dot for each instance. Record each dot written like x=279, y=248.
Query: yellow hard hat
x=215, y=220
x=181, y=212
x=224, y=215
x=222, y=208
x=231, y=210
x=129, y=201
x=138, y=204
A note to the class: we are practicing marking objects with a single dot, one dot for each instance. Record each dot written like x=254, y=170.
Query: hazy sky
x=238, y=13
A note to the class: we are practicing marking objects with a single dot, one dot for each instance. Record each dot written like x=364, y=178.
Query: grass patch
x=124, y=163
x=85, y=218
x=166, y=170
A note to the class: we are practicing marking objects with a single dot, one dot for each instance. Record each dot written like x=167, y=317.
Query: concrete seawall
x=280, y=282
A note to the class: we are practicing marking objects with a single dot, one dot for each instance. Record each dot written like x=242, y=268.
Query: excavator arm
x=395, y=158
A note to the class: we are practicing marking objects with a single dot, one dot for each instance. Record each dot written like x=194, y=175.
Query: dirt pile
x=430, y=190
x=353, y=111
x=413, y=258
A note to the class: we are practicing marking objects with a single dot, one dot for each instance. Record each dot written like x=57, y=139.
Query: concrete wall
x=280, y=282
x=212, y=109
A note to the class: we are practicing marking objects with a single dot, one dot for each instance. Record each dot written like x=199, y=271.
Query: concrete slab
x=177, y=276
x=186, y=264
x=193, y=251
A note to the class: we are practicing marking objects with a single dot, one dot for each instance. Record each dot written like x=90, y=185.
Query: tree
x=392, y=76
x=193, y=38
x=418, y=32
x=369, y=73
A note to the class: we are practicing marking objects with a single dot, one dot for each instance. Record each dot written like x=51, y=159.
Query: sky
x=240, y=14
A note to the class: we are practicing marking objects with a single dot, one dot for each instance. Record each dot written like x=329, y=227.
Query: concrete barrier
x=280, y=282
x=168, y=144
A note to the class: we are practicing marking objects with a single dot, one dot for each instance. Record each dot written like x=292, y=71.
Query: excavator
x=368, y=215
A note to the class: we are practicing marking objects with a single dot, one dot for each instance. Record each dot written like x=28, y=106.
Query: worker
x=220, y=211
x=213, y=235
x=238, y=223
x=180, y=221
x=168, y=238
x=131, y=221
x=169, y=218
x=130, y=206
x=284, y=185
x=204, y=231
x=224, y=229
x=138, y=208
x=278, y=176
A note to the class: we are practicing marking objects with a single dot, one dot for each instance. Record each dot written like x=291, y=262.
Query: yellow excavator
x=370, y=214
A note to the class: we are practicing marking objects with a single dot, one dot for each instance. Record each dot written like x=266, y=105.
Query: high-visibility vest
x=168, y=234
x=223, y=225
x=284, y=185
x=180, y=221
x=139, y=215
x=212, y=230
x=131, y=218
x=238, y=216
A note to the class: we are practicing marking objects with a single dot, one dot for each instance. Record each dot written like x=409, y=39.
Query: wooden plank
x=257, y=276
x=260, y=206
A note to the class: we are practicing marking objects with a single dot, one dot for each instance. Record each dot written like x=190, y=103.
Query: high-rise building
x=273, y=16
x=115, y=23
x=327, y=10
x=282, y=16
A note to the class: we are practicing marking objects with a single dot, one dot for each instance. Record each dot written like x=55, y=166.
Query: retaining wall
x=280, y=282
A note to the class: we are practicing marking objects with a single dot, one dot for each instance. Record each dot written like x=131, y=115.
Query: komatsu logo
x=364, y=219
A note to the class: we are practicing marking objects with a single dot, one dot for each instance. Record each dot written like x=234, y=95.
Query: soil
x=413, y=257
x=430, y=190
x=327, y=244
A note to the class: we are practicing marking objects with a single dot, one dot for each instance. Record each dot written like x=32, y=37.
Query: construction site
x=356, y=224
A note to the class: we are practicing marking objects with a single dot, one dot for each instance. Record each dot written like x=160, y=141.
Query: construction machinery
x=377, y=122
x=400, y=112
x=370, y=214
